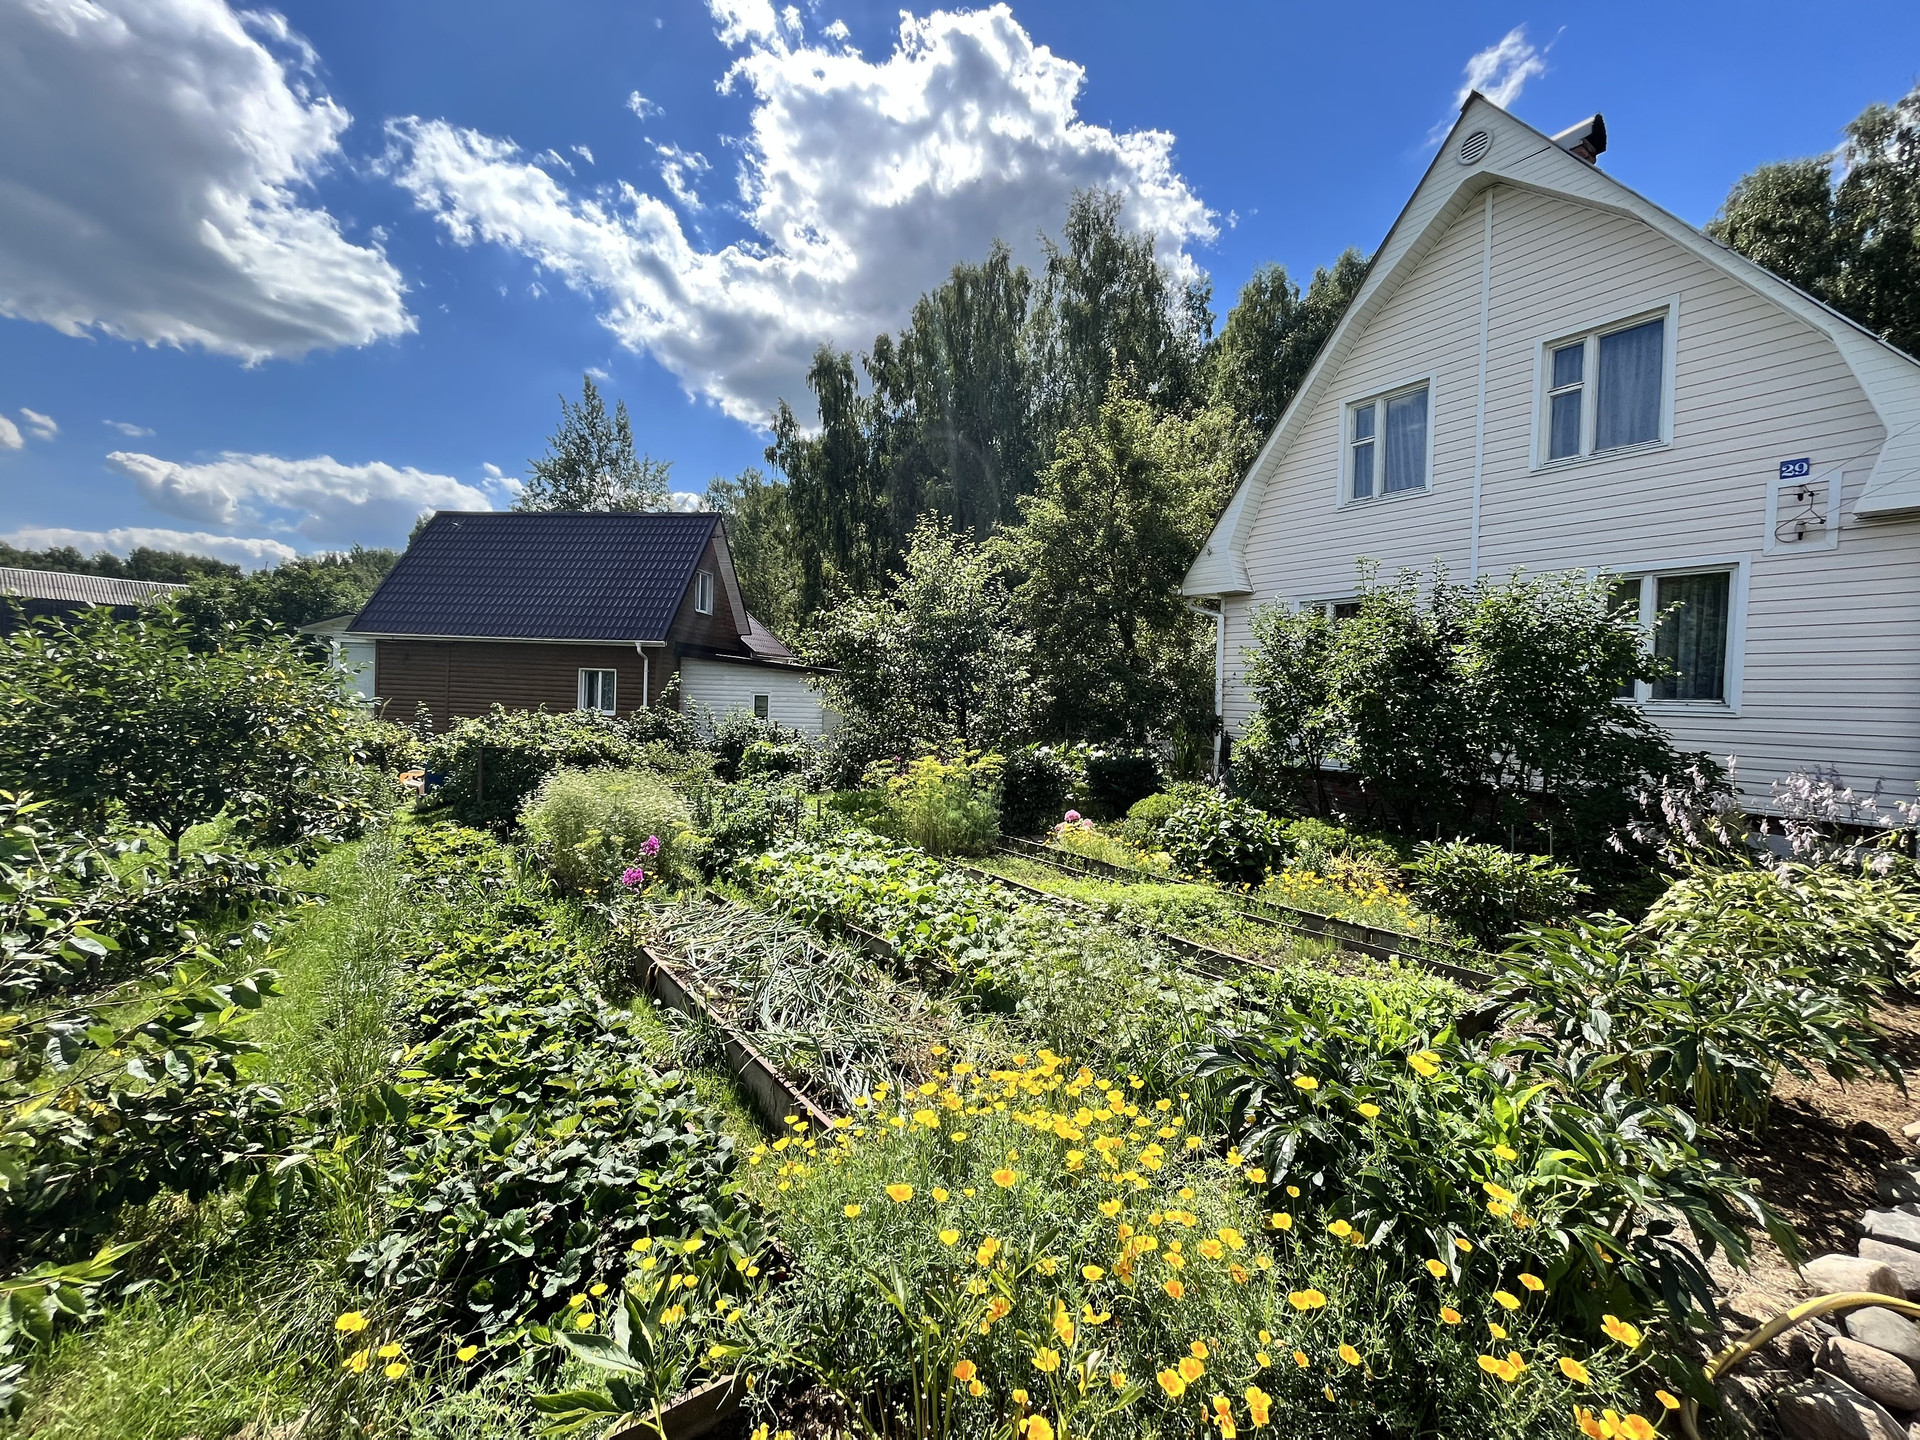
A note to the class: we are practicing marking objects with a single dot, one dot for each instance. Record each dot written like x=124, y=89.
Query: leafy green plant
x=534, y=1144
x=143, y=720
x=1145, y=817
x=489, y=764
x=1117, y=779
x=1037, y=783
x=1226, y=839
x=1319, y=844
x=744, y=819
x=1550, y=1162
x=943, y=806
x=1487, y=891
x=591, y=827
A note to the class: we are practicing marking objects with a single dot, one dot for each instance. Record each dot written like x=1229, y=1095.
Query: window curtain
x=1694, y=636
x=1406, y=442
x=1630, y=366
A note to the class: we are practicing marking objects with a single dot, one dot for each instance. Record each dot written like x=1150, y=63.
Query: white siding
x=1830, y=676
x=711, y=688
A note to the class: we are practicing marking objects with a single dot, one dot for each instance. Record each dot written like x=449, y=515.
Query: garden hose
x=1806, y=1310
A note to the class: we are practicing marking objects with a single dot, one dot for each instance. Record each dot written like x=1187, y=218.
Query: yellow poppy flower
x=1305, y=1082
x=850, y=1211
x=1300, y=1359
x=1574, y=1371
x=1506, y=1299
x=396, y=1370
x=1004, y=1178
x=466, y=1353
x=1171, y=1382
x=1436, y=1269
x=351, y=1323
x=1450, y=1315
x=388, y=1351
x=1175, y=1289
x=1619, y=1330
x=949, y=1237
x=1533, y=1283
x=1046, y=1361
x=1191, y=1368
x=1349, y=1354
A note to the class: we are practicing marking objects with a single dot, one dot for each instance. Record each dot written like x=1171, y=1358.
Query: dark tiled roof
x=80, y=589
x=548, y=576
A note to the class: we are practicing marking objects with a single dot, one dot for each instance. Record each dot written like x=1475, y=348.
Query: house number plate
x=1795, y=469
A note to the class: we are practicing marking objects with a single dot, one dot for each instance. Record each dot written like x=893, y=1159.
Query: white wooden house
x=1544, y=371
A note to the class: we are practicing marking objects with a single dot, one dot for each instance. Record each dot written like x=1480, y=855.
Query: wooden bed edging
x=709, y=1410
x=772, y=1095
x=1366, y=939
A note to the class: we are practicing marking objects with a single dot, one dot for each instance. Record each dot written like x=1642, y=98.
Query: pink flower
x=652, y=847
x=633, y=876
x=1073, y=817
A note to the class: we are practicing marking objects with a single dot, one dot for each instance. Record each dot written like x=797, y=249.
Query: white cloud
x=1501, y=71
x=641, y=106
x=584, y=153
x=10, y=435
x=681, y=170
x=686, y=502
x=41, y=426
x=239, y=549
x=318, y=498
x=152, y=183
x=863, y=184
x=127, y=428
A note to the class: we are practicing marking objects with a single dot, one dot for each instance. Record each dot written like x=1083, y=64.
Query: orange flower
x=1004, y=1178
x=965, y=1370
x=1618, y=1329
x=1176, y=1289
x=1450, y=1315
x=1171, y=1382
x=900, y=1194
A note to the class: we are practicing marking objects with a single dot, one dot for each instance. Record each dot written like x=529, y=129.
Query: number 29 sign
x=1796, y=469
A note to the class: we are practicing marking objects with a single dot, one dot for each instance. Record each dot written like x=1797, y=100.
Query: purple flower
x=633, y=876
x=1073, y=817
x=652, y=847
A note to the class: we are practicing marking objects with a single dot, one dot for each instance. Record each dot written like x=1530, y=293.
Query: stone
x=1911, y=1130
x=1897, y=1185
x=1886, y=1330
x=1793, y=1351
x=1893, y=1226
x=1904, y=1263
x=1846, y=1274
x=1827, y=1408
x=1874, y=1373
x=1748, y=1308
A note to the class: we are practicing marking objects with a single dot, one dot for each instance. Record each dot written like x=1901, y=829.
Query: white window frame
x=1590, y=334
x=1648, y=574
x=605, y=680
x=1345, y=495
x=1325, y=604
x=703, y=592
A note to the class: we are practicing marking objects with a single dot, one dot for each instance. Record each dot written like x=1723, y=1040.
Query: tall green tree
x=936, y=659
x=293, y=593
x=835, y=486
x=1263, y=352
x=1106, y=306
x=1104, y=544
x=143, y=562
x=590, y=462
x=1843, y=227
x=952, y=393
x=765, y=545
x=143, y=722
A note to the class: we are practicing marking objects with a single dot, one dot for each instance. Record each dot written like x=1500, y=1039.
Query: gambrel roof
x=1515, y=154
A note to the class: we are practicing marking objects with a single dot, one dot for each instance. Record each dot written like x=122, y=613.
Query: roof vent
x=1586, y=141
x=1474, y=148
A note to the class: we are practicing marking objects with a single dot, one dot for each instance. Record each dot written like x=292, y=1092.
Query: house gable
x=1522, y=160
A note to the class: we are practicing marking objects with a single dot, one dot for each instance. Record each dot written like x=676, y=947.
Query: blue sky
x=276, y=281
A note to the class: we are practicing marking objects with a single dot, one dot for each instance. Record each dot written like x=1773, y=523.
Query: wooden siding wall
x=1831, y=677
x=459, y=678
x=711, y=688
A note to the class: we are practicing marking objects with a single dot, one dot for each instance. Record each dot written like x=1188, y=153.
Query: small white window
x=1694, y=614
x=703, y=592
x=1606, y=390
x=760, y=707
x=1387, y=444
x=599, y=690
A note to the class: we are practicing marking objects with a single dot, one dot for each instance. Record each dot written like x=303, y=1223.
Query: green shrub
x=1116, y=779
x=1145, y=817
x=590, y=826
x=489, y=764
x=1488, y=892
x=1547, y=1163
x=945, y=806
x=1037, y=783
x=1317, y=843
x=744, y=819
x=1226, y=839
x=744, y=744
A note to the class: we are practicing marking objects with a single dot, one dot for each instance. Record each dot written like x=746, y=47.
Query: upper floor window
x=1387, y=444
x=1605, y=390
x=703, y=592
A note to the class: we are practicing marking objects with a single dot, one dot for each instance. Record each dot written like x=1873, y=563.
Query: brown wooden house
x=566, y=611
